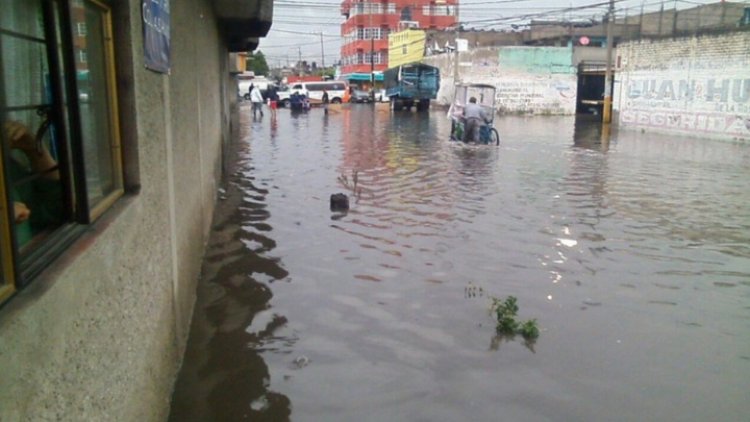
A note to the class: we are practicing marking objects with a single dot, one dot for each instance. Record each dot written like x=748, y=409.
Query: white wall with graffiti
x=696, y=85
x=529, y=80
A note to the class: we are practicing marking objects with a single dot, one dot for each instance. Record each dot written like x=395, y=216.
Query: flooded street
x=633, y=255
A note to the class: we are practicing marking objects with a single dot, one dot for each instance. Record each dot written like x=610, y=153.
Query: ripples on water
x=633, y=254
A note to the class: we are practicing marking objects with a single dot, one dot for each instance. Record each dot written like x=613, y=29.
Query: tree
x=326, y=72
x=257, y=63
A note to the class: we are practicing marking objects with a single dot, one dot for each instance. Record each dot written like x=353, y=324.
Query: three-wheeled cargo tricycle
x=485, y=98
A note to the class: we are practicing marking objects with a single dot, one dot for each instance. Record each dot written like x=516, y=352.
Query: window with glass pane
x=60, y=156
x=31, y=142
x=95, y=93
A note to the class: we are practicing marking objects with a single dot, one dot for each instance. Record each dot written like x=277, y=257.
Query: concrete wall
x=99, y=336
x=693, y=85
x=724, y=15
x=475, y=39
x=529, y=80
x=589, y=54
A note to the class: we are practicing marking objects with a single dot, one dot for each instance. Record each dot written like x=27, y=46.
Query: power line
x=303, y=33
x=476, y=15
x=301, y=44
x=541, y=14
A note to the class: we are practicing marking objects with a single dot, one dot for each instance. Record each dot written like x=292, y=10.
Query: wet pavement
x=632, y=253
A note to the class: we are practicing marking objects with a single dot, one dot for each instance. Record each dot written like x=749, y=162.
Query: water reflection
x=591, y=133
x=224, y=376
x=633, y=257
x=498, y=339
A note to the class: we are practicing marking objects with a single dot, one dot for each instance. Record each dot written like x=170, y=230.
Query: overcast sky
x=299, y=25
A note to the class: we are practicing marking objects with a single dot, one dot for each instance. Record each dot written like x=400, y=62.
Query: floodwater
x=632, y=253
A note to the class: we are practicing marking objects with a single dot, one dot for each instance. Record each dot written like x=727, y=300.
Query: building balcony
x=369, y=20
x=365, y=45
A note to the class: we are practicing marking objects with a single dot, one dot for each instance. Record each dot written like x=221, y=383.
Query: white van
x=243, y=85
x=314, y=91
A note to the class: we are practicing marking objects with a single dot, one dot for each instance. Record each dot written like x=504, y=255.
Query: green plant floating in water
x=505, y=312
x=529, y=330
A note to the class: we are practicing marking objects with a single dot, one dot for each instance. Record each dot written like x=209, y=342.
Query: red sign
x=584, y=40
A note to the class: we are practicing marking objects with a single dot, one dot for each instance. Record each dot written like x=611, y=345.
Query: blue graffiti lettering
x=666, y=91
x=714, y=93
x=686, y=90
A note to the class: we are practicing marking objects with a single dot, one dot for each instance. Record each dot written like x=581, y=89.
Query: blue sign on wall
x=156, y=34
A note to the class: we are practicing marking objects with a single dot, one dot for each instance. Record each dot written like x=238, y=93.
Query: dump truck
x=411, y=84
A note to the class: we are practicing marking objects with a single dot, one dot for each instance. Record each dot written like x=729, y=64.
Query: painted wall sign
x=693, y=85
x=156, y=34
x=709, y=90
x=733, y=125
x=528, y=80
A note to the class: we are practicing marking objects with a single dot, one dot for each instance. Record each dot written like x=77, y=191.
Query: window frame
x=8, y=285
x=19, y=268
x=115, y=142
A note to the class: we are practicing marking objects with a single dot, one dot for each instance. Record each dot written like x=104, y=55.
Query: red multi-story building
x=364, y=47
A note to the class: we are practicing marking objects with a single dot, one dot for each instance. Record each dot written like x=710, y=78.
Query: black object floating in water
x=339, y=202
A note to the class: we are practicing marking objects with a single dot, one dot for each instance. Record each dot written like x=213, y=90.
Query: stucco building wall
x=696, y=85
x=99, y=336
x=529, y=80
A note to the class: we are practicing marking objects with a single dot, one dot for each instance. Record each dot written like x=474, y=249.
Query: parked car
x=359, y=96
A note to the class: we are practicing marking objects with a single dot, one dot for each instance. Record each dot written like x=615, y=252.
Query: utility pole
x=299, y=60
x=640, y=22
x=455, y=50
x=372, y=52
x=322, y=51
x=607, y=109
x=661, y=15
